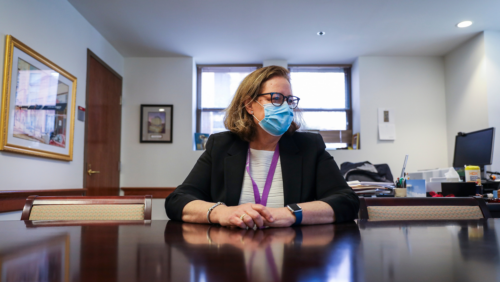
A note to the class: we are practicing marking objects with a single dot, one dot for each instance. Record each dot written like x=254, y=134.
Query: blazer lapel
x=234, y=171
x=291, y=169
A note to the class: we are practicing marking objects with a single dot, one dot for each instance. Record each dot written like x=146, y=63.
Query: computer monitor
x=474, y=148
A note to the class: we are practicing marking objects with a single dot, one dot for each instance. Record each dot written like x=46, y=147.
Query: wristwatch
x=297, y=211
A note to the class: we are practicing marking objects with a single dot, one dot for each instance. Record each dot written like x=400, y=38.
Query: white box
x=428, y=174
x=433, y=178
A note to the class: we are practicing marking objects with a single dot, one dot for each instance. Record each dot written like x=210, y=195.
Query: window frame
x=347, y=71
x=199, y=109
x=348, y=110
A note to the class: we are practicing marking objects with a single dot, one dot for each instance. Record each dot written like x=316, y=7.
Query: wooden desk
x=494, y=209
x=172, y=251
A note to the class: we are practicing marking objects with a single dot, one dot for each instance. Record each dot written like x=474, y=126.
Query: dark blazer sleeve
x=332, y=188
x=195, y=187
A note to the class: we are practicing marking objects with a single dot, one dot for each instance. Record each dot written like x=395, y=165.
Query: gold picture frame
x=38, y=104
x=46, y=258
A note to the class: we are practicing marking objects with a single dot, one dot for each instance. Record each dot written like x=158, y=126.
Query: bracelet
x=210, y=210
x=208, y=236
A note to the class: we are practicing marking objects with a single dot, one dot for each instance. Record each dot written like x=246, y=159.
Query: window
x=325, y=97
x=324, y=92
x=216, y=88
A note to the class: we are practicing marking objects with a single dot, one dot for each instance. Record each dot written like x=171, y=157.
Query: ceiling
x=238, y=31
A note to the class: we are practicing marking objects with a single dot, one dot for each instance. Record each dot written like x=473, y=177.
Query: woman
x=261, y=172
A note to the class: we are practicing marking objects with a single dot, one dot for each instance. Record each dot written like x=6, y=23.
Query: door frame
x=91, y=54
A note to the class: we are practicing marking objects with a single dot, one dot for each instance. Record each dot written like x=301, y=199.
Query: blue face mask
x=276, y=120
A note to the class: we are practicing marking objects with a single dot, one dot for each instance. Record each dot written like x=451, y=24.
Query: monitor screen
x=474, y=148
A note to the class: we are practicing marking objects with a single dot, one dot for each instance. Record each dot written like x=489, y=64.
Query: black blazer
x=309, y=174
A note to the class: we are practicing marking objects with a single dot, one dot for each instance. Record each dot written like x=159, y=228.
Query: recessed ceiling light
x=464, y=24
x=320, y=33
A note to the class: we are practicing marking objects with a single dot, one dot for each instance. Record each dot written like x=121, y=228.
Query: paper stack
x=370, y=187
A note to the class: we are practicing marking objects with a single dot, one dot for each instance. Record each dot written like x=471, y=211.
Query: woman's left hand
x=283, y=217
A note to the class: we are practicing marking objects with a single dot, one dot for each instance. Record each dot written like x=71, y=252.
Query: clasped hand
x=254, y=215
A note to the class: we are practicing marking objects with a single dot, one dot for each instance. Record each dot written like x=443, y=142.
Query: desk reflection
x=440, y=250
x=305, y=253
x=471, y=240
x=173, y=251
x=45, y=260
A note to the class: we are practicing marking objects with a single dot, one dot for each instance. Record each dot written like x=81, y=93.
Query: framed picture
x=156, y=123
x=200, y=140
x=47, y=260
x=38, y=104
x=355, y=141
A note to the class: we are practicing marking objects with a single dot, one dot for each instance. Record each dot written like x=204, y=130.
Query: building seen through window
x=216, y=88
x=324, y=92
x=325, y=98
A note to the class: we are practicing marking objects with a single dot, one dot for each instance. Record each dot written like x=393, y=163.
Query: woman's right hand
x=255, y=214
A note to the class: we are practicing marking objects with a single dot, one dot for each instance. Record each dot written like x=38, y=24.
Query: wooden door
x=102, y=128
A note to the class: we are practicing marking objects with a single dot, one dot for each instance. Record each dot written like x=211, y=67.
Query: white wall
x=281, y=63
x=158, y=81
x=473, y=89
x=414, y=88
x=57, y=31
x=466, y=91
x=492, y=62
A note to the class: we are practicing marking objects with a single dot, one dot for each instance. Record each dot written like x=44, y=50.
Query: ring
x=242, y=216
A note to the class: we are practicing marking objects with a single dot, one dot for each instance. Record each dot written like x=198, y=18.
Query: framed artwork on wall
x=156, y=123
x=38, y=104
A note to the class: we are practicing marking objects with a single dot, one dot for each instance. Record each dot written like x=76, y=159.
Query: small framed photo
x=156, y=123
x=201, y=140
x=38, y=113
x=355, y=141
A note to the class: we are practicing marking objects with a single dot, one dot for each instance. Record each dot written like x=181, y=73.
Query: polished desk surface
x=173, y=251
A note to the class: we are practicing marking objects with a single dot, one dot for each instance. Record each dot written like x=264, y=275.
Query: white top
x=259, y=265
x=260, y=161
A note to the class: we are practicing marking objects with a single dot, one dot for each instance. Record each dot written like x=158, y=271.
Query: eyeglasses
x=277, y=99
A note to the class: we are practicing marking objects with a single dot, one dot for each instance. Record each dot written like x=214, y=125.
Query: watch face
x=295, y=207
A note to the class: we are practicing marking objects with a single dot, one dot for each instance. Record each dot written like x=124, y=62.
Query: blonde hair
x=237, y=119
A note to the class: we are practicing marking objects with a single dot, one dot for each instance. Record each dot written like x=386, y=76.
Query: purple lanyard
x=270, y=260
x=269, y=179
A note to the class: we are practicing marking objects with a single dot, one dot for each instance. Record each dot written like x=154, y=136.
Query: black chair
x=365, y=171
